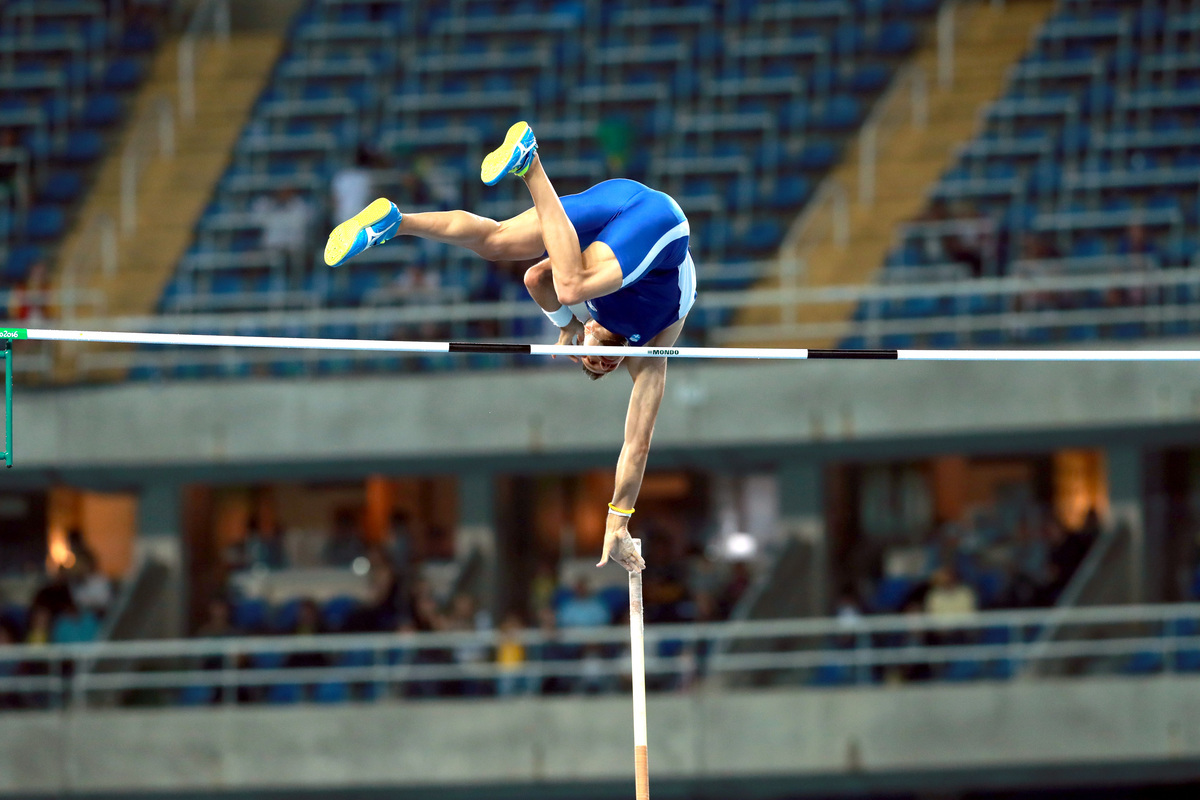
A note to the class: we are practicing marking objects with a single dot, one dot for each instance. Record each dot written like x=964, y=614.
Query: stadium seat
x=196, y=695
x=285, y=694
x=336, y=612
x=62, y=186
x=123, y=74
x=45, y=223
x=250, y=614
x=331, y=692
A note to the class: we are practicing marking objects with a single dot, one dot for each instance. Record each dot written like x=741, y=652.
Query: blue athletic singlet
x=648, y=233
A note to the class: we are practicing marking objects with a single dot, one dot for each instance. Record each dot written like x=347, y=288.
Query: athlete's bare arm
x=649, y=382
x=539, y=281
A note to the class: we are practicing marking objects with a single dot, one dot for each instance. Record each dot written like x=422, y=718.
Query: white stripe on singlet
x=678, y=232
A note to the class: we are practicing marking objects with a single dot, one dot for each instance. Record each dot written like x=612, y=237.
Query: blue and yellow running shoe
x=515, y=155
x=374, y=225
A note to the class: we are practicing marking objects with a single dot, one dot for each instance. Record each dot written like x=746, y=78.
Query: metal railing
x=80, y=268
x=153, y=136
x=211, y=17
x=998, y=646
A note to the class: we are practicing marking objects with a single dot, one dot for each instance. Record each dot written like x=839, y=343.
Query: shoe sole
x=499, y=161
x=342, y=238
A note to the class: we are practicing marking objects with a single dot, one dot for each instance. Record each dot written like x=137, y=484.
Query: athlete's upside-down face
x=596, y=335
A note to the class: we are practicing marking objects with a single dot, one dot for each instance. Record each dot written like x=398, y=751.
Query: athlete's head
x=596, y=335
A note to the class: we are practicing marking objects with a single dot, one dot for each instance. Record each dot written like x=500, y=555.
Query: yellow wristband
x=620, y=512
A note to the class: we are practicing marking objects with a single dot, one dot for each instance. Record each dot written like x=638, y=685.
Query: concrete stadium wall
x=531, y=417
x=1089, y=723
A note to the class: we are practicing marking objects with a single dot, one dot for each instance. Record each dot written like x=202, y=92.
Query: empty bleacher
x=1089, y=166
x=67, y=68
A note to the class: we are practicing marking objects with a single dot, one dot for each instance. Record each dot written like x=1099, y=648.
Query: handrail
x=773, y=646
x=1070, y=595
x=209, y=14
x=153, y=135
x=100, y=254
x=801, y=627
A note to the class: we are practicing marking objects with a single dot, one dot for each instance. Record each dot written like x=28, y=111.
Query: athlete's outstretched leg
x=513, y=239
x=578, y=276
x=558, y=233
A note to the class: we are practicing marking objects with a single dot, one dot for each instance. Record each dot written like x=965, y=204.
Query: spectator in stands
x=427, y=617
x=262, y=548
x=1069, y=547
x=351, y=187
x=914, y=636
x=849, y=612
x=219, y=620
x=510, y=657
x=8, y=668
x=286, y=220
x=582, y=609
x=615, y=135
x=385, y=605
x=414, y=186
x=1030, y=568
x=10, y=177
x=466, y=617
x=75, y=625
x=552, y=649
x=397, y=543
x=948, y=598
x=739, y=582
x=54, y=596
x=218, y=624
x=1141, y=257
x=29, y=302
x=346, y=542
x=40, y=621
x=704, y=581
x=426, y=613
x=308, y=623
x=91, y=589
x=542, y=587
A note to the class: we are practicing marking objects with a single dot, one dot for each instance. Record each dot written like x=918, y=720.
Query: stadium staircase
x=173, y=191
x=909, y=160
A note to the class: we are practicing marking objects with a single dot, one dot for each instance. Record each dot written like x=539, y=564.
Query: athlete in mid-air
x=619, y=248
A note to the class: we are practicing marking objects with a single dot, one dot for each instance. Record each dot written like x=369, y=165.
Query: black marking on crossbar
x=483, y=347
x=855, y=354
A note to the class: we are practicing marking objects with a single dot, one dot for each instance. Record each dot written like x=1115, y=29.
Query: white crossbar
x=778, y=353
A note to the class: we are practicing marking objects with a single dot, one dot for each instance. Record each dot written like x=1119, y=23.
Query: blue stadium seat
x=959, y=671
x=286, y=615
x=1144, y=662
x=45, y=223
x=331, y=692
x=285, y=694
x=336, y=611
x=250, y=614
x=123, y=74
x=832, y=675
x=82, y=147
x=20, y=260
x=196, y=695
x=62, y=186
x=891, y=594
x=102, y=110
